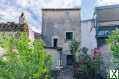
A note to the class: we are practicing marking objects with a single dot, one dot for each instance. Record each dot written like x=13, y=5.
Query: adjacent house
x=88, y=34
x=107, y=20
x=59, y=27
x=12, y=28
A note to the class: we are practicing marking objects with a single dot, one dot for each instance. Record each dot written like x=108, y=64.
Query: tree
x=24, y=59
x=74, y=47
x=113, y=42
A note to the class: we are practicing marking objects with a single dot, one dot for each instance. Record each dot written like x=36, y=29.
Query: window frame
x=66, y=35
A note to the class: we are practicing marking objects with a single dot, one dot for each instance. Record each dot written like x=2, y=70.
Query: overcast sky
x=88, y=7
x=11, y=9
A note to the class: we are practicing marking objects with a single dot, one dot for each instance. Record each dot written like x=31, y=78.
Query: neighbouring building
x=37, y=35
x=107, y=20
x=59, y=27
x=88, y=34
x=88, y=31
x=12, y=28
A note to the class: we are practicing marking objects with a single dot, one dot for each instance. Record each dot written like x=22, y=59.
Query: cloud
x=11, y=9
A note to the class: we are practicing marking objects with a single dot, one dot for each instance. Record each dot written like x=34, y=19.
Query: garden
x=25, y=59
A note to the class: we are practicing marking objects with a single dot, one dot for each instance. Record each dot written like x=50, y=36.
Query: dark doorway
x=69, y=59
x=55, y=42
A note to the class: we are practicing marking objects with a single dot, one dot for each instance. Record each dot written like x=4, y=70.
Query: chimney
x=21, y=18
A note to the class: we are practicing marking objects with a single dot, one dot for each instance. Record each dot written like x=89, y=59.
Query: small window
x=70, y=60
x=55, y=42
x=69, y=35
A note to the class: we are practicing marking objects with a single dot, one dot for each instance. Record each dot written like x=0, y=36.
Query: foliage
x=24, y=59
x=74, y=46
x=113, y=42
x=88, y=67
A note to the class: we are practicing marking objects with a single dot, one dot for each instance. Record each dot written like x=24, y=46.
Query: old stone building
x=59, y=27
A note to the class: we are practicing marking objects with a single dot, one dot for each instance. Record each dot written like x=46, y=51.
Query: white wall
x=55, y=57
x=87, y=36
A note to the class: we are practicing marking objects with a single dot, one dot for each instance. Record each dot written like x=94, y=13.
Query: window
x=55, y=42
x=69, y=35
x=70, y=60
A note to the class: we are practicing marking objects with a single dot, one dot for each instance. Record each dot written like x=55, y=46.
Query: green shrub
x=24, y=59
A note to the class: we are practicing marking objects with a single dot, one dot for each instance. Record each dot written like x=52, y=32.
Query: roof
x=107, y=7
x=107, y=13
x=59, y=9
x=11, y=26
x=37, y=35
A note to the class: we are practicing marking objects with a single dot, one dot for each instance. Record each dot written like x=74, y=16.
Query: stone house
x=59, y=27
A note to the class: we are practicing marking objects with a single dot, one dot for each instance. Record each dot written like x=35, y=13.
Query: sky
x=88, y=7
x=10, y=10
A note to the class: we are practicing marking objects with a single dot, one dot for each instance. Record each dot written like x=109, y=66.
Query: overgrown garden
x=23, y=59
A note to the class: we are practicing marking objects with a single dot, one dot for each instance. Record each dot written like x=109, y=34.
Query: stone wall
x=57, y=22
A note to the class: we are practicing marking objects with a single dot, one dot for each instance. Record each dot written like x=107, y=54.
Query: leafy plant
x=113, y=42
x=87, y=67
x=24, y=59
x=74, y=48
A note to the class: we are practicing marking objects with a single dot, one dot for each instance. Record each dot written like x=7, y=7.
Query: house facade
x=59, y=27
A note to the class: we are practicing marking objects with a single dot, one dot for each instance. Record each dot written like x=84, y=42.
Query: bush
x=88, y=67
x=24, y=59
x=113, y=42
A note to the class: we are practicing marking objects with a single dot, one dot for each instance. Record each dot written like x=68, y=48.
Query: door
x=69, y=59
